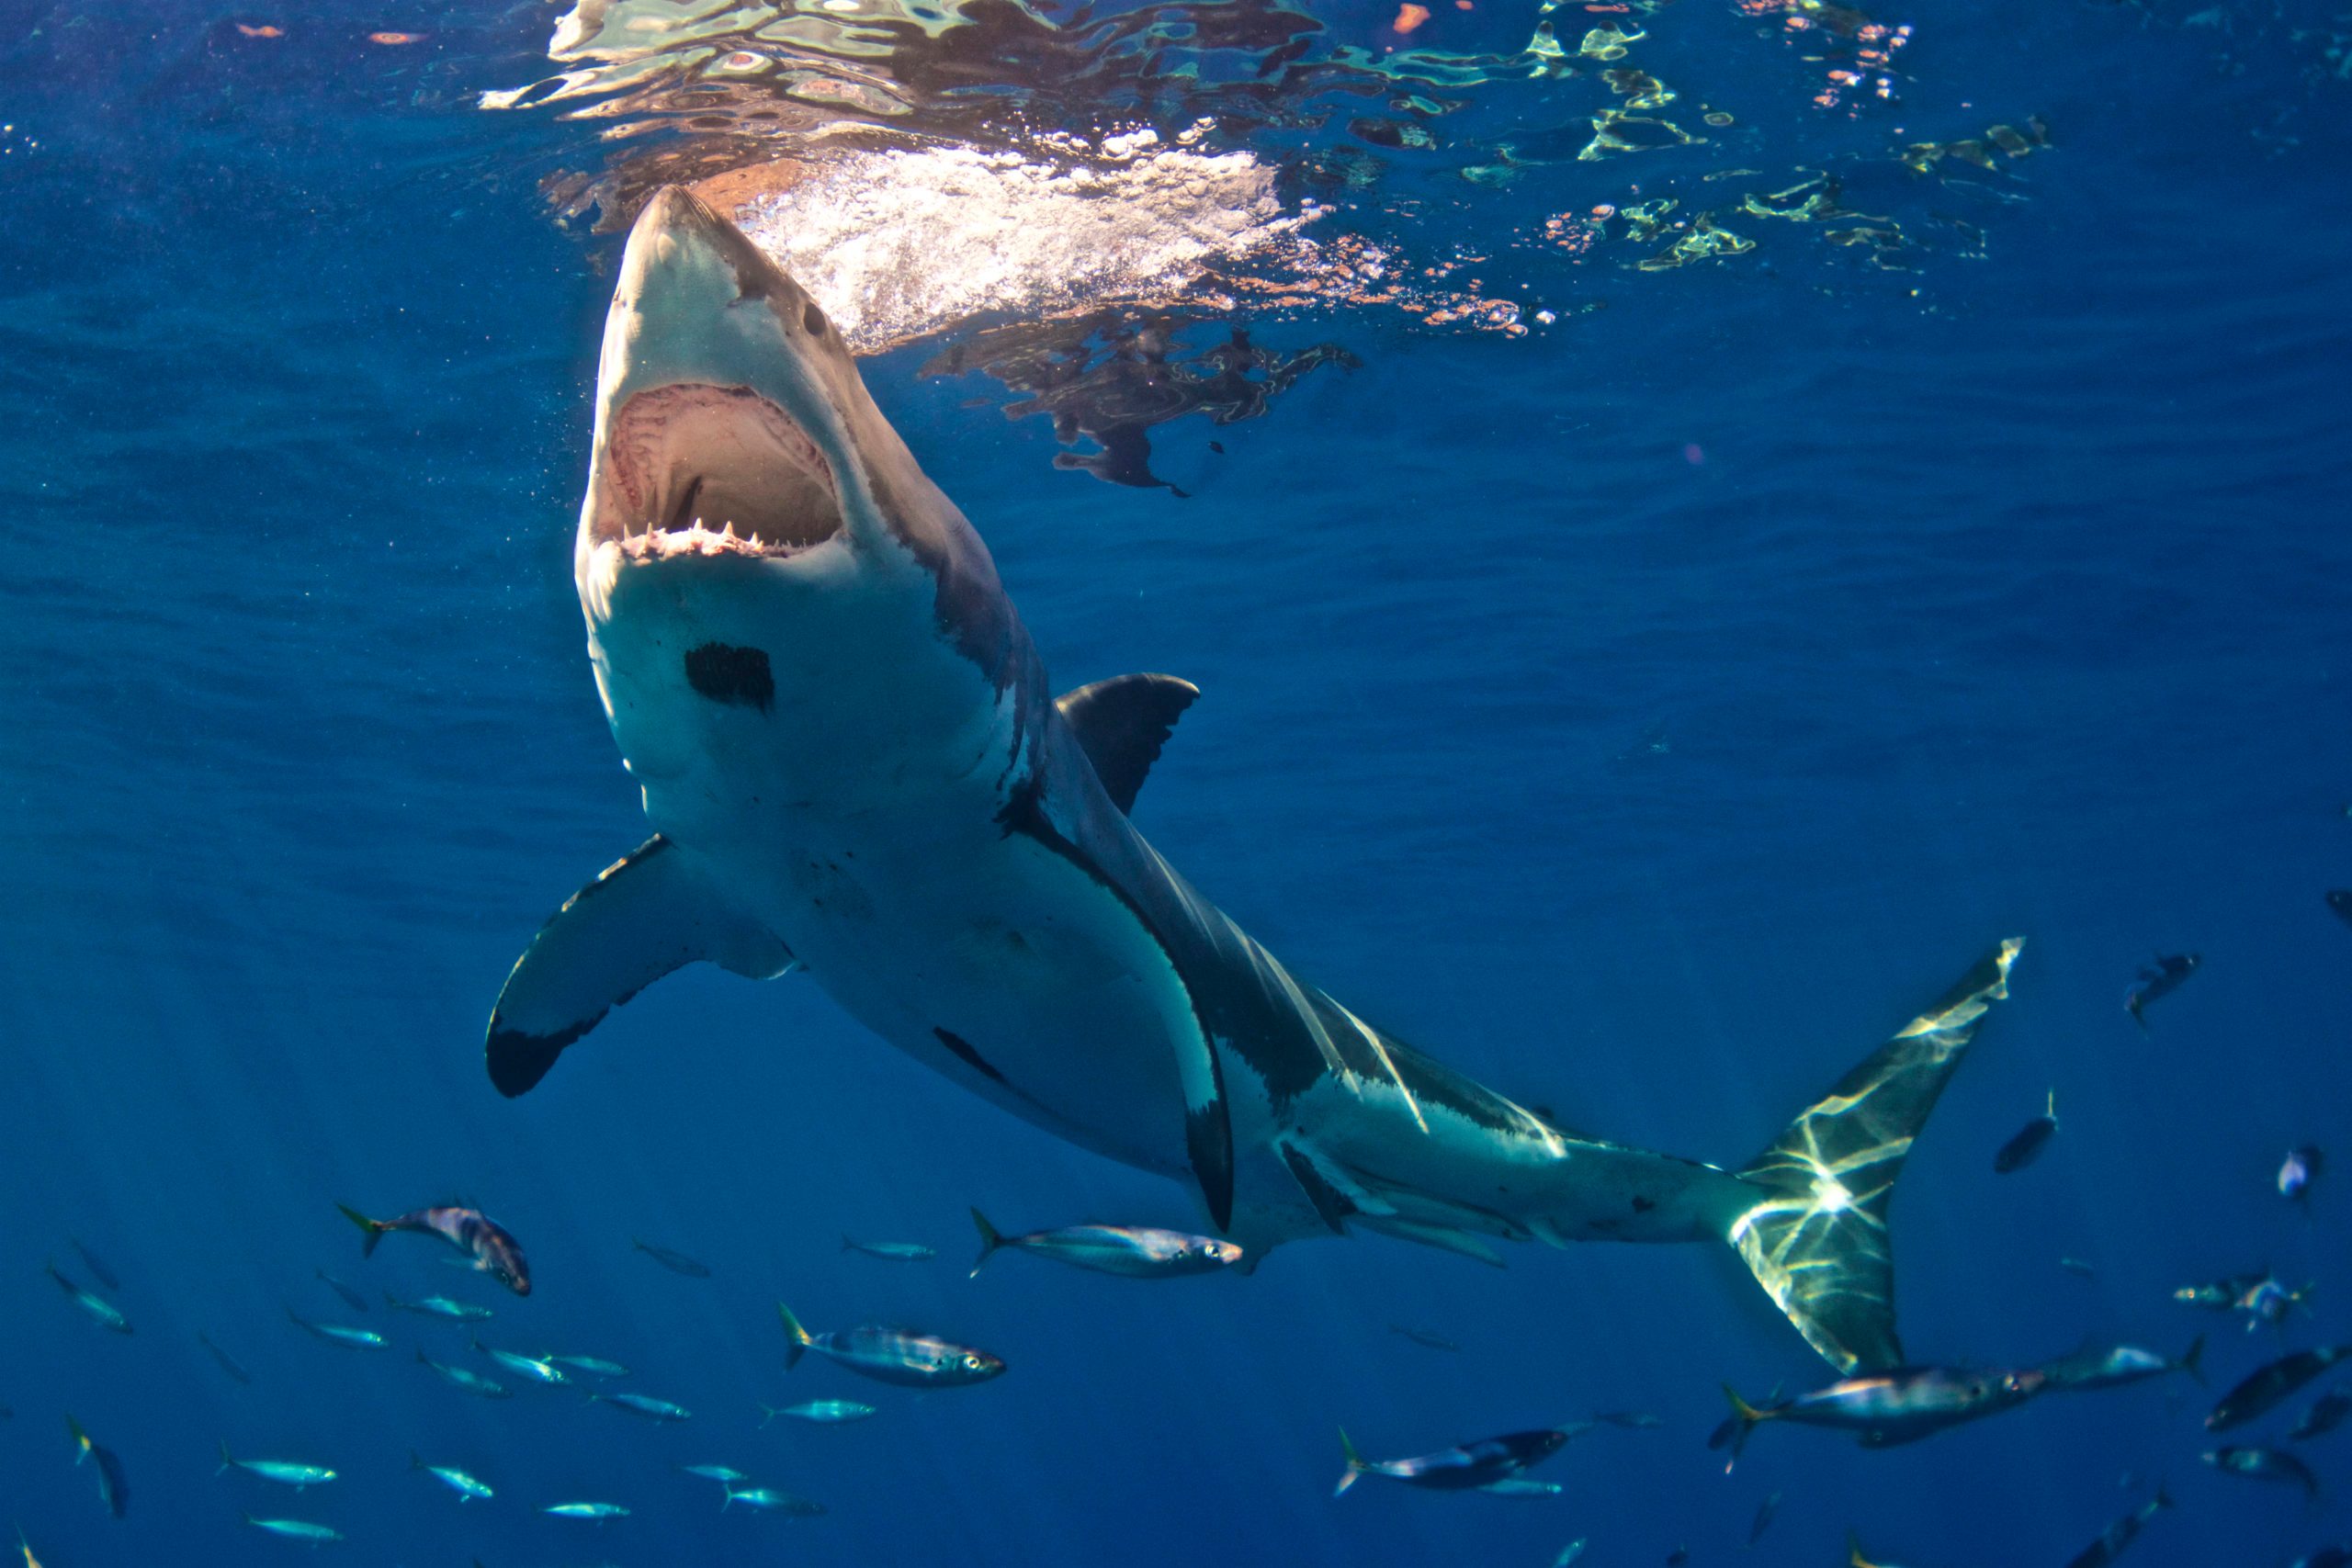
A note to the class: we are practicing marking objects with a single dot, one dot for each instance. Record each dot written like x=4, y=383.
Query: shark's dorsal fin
x=647, y=914
x=1122, y=722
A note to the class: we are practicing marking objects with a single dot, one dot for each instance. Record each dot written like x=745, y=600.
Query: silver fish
x=351, y=1298
x=295, y=1529
x=336, y=1334
x=530, y=1367
x=474, y=1384
x=2026, y=1147
x=1428, y=1338
x=891, y=1251
x=456, y=1479
x=491, y=1247
x=768, y=1499
x=641, y=1405
x=890, y=1355
x=2326, y=1414
x=114, y=1483
x=227, y=1362
x=439, y=1306
x=595, y=1365
x=2299, y=1171
x=725, y=1475
x=2087, y=1369
x=586, y=1510
x=823, y=1412
x=1477, y=1466
x=676, y=1262
x=1136, y=1252
x=284, y=1471
x=2264, y=1387
x=104, y=1311
x=1888, y=1408
x=2266, y=1464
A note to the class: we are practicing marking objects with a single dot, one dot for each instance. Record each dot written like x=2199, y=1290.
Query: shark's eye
x=813, y=318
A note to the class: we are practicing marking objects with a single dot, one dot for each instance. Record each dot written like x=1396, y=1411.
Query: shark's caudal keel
x=853, y=765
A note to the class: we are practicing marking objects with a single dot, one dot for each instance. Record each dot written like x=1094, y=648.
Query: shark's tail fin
x=2189, y=1360
x=1816, y=1235
x=1356, y=1466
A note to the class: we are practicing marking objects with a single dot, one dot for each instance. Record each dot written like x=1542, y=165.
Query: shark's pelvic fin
x=1443, y=1237
x=1817, y=1238
x=1331, y=1205
x=647, y=914
x=1122, y=722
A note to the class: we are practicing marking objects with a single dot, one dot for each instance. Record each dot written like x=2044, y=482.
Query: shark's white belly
x=993, y=960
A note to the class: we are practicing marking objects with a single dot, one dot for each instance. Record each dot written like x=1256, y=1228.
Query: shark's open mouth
x=700, y=469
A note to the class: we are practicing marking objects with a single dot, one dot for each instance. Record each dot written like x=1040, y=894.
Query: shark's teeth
x=699, y=539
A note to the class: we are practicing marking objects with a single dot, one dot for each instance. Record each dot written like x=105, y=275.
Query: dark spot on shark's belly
x=970, y=1058
x=726, y=673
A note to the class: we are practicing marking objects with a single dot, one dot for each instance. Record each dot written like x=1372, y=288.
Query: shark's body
x=856, y=766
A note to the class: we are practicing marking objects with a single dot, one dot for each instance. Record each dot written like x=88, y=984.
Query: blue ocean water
x=1644, y=713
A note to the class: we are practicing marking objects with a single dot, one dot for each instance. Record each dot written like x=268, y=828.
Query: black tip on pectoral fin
x=518, y=1061
x=646, y=915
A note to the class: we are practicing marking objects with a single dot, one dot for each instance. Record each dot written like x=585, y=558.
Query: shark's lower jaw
x=706, y=470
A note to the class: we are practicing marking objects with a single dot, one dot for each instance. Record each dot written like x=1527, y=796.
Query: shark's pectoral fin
x=649, y=913
x=1122, y=722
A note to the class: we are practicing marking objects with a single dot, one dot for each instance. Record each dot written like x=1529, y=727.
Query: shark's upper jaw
x=702, y=469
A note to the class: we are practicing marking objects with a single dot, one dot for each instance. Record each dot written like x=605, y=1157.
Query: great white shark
x=854, y=767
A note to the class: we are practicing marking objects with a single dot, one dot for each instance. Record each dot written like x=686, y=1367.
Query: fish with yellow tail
x=1489, y=1464
x=490, y=1246
x=114, y=1486
x=1887, y=1408
x=890, y=1355
x=1135, y=1252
